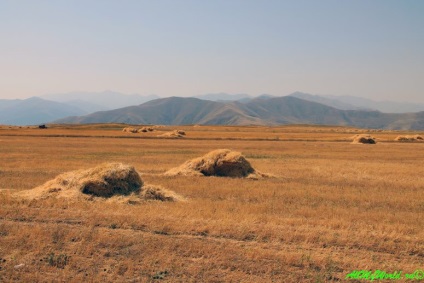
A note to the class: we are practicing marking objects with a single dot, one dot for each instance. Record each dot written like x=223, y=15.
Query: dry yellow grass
x=333, y=208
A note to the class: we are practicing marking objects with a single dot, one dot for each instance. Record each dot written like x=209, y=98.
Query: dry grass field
x=333, y=207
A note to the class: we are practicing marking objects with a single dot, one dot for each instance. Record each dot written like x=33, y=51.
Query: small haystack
x=220, y=162
x=173, y=134
x=363, y=139
x=143, y=130
x=180, y=132
x=404, y=139
x=409, y=138
x=130, y=130
x=104, y=181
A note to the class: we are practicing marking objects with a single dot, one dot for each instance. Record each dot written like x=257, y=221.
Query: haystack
x=220, y=162
x=180, y=132
x=404, y=138
x=173, y=134
x=363, y=139
x=105, y=181
x=143, y=130
x=130, y=130
x=409, y=138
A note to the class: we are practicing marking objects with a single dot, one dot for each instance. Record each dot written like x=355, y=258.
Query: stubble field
x=332, y=207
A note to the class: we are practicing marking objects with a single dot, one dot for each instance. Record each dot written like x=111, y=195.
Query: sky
x=366, y=48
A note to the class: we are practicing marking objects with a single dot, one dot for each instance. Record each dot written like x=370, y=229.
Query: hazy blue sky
x=369, y=48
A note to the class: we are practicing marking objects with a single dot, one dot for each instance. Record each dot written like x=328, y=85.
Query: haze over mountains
x=360, y=103
x=34, y=110
x=219, y=108
x=105, y=100
x=39, y=110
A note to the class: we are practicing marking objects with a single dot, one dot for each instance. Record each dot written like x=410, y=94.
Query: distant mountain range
x=220, y=108
x=263, y=110
x=339, y=102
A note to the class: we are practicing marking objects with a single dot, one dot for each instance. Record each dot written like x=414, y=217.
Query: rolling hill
x=258, y=111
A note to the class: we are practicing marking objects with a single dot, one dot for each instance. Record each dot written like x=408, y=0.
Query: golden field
x=333, y=207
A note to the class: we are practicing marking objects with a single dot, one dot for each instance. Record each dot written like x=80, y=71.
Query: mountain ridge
x=258, y=111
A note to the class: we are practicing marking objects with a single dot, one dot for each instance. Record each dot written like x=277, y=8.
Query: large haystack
x=363, y=139
x=106, y=180
x=220, y=162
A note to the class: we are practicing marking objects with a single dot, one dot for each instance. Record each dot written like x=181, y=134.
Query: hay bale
x=105, y=181
x=150, y=129
x=220, y=162
x=363, y=139
x=418, y=137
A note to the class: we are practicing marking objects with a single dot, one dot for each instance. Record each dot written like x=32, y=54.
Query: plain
x=333, y=207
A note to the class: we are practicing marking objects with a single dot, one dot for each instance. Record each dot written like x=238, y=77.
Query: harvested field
x=331, y=208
